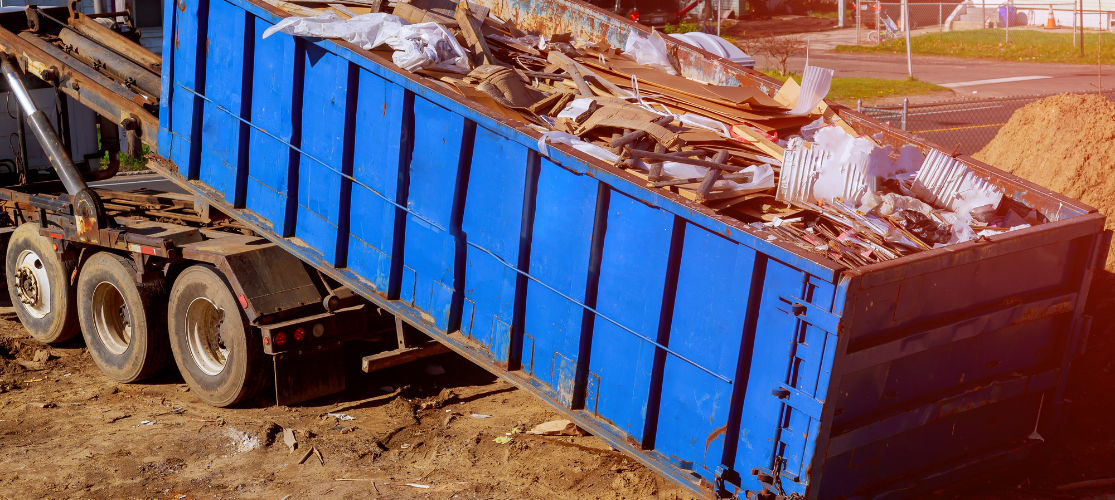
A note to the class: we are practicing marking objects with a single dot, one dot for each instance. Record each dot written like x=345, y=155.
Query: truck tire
x=39, y=286
x=123, y=321
x=219, y=354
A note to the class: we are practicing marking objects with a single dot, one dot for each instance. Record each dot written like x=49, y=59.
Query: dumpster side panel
x=953, y=367
x=707, y=328
x=222, y=162
x=638, y=282
x=493, y=218
x=184, y=122
x=277, y=116
x=565, y=213
x=328, y=104
x=438, y=170
x=381, y=153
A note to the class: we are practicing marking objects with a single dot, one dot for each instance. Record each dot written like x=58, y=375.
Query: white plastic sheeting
x=417, y=46
x=649, y=51
x=815, y=84
x=716, y=45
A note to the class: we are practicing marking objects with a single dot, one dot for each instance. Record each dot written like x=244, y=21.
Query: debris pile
x=1065, y=143
x=787, y=164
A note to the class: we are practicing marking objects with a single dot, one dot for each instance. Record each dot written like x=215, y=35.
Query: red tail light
x=280, y=338
x=299, y=334
x=635, y=15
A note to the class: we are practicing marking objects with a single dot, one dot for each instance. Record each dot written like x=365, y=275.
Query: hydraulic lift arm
x=88, y=209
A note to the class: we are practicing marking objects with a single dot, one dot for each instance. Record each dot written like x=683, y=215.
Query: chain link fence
x=966, y=125
x=877, y=21
x=881, y=21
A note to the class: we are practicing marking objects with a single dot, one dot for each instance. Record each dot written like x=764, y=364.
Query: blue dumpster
x=1006, y=15
x=686, y=339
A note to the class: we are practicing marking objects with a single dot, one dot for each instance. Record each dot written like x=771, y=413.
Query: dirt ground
x=781, y=25
x=66, y=431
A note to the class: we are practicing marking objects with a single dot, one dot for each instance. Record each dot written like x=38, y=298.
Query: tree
x=779, y=49
x=747, y=41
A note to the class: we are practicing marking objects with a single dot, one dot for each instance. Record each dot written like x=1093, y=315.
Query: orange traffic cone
x=1050, y=22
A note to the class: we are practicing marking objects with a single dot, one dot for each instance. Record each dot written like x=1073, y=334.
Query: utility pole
x=859, y=22
x=906, y=26
x=1081, y=23
x=1007, y=19
x=717, y=17
x=840, y=13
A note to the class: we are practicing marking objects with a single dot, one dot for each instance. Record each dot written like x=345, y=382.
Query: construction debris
x=558, y=428
x=785, y=164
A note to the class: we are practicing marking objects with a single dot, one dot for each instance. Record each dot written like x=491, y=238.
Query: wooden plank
x=470, y=28
x=344, y=12
x=397, y=357
x=362, y=3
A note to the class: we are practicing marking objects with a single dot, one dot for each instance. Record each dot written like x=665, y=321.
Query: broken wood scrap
x=637, y=135
x=656, y=166
x=470, y=28
x=513, y=45
x=564, y=62
x=743, y=196
x=681, y=159
x=360, y=3
x=570, y=66
x=294, y=9
x=546, y=103
x=631, y=117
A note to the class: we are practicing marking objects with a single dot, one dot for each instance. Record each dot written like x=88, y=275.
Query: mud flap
x=305, y=374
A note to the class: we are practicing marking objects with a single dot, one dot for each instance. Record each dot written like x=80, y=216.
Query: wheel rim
x=203, y=332
x=32, y=284
x=111, y=318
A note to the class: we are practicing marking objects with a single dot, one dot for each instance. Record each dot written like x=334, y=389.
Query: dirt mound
x=1065, y=143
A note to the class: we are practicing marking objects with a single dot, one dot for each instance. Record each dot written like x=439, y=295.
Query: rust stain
x=719, y=431
x=1037, y=313
x=634, y=442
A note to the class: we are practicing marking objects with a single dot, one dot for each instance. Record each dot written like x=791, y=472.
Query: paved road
x=133, y=182
x=978, y=78
x=970, y=125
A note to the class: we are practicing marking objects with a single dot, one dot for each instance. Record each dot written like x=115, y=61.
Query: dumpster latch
x=780, y=392
x=798, y=309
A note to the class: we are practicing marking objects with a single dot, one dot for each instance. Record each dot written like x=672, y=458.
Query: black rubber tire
x=59, y=323
x=147, y=352
x=244, y=371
